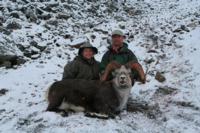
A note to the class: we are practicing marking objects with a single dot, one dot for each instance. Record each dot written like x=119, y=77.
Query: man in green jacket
x=120, y=53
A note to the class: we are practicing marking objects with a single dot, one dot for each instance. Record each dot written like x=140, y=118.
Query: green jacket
x=123, y=56
x=81, y=68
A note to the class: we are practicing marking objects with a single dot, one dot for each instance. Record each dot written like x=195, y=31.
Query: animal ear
x=129, y=71
x=114, y=73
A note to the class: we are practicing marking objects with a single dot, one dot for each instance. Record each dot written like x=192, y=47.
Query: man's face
x=88, y=53
x=117, y=40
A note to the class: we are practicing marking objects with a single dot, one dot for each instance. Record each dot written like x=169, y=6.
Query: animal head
x=122, y=77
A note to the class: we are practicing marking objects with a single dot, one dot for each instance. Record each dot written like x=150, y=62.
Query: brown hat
x=87, y=45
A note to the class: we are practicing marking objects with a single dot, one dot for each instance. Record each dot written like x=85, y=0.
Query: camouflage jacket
x=81, y=68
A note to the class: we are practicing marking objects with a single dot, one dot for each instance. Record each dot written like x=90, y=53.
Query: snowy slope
x=169, y=28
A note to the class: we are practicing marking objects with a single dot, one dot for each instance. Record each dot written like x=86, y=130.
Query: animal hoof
x=64, y=114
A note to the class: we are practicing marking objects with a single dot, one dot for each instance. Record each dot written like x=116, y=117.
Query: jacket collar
x=123, y=49
x=82, y=59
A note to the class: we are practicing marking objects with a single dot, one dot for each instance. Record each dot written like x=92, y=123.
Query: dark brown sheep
x=106, y=97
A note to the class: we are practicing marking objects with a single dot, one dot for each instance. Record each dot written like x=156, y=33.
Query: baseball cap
x=117, y=32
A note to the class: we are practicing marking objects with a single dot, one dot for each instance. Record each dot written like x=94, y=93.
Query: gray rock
x=122, y=26
x=14, y=25
x=1, y=20
x=186, y=104
x=51, y=5
x=67, y=36
x=14, y=14
x=181, y=28
x=152, y=51
x=159, y=77
x=52, y=22
x=149, y=61
x=100, y=30
x=31, y=15
x=165, y=90
x=3, y=92
x=177, y=30
x=20, y=61
x=39, y=11
x=28, y=53
x=44, y=16
x=93, y=36
x=9, y=61
x=10, y=58
x=63, y=16
x=5, y=31
x=136, y=105
x=6, y=64
x=35, y=56
x=36, y=45
x=21, y=47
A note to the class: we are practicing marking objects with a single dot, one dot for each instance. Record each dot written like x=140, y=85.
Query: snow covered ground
x=165, y=38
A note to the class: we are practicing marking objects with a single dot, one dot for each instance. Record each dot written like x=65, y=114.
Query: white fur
x=68, y=106
x=98, y=115
x=65, y=105
x=47, y=93
x=123, y=93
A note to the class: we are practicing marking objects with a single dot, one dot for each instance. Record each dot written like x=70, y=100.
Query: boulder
x=36, y=45
x=52, y=22
x=3, y=91
x=137, y=105
x=9, y=61
x=159, y=77
x=5, y=31
x=14, y=14
x=30, y=52
x=44, y=16
x=13, y=25
x=63, y=16
x=165, y=90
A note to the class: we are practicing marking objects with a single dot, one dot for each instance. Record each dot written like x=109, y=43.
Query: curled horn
x=137, y=67
x=109, y=68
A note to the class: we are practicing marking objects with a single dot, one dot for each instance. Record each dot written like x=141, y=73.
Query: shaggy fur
x=107, y=97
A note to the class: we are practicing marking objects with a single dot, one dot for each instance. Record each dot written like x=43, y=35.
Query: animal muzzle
x=122, y=80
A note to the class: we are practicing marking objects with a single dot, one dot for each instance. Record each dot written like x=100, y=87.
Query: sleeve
x=70, y=70
x=132, y=57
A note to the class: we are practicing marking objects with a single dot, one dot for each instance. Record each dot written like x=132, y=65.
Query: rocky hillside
x=37, y=38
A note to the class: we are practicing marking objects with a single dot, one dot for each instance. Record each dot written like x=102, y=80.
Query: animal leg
x=105, y=109
x=54, y=102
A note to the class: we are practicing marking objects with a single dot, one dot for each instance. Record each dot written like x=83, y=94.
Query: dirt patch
x=152, y=111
